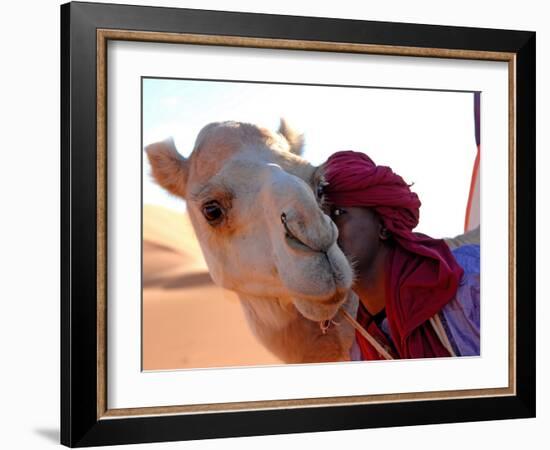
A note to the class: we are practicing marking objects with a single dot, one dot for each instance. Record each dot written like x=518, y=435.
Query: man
x=418, y=298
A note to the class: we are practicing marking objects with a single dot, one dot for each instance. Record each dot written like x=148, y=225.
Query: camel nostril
x=285, y=225
x=289, y=235
x=295, y=240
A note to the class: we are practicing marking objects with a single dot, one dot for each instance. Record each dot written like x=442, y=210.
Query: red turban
x=422, y=274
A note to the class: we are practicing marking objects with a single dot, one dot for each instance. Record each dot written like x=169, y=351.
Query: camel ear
x=295, y=139
x=169, y=168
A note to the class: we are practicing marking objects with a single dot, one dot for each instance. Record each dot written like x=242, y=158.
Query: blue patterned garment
x=461, y=316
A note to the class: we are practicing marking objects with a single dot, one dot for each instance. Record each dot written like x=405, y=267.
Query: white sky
x=427, y=137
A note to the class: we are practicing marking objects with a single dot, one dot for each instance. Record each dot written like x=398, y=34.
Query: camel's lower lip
x=335, y=292
x=338, y=297
x=319, y=309
x=330, y=300
x=333, y=301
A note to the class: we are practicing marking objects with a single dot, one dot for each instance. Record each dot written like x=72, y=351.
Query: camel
x=250, y=198
x=253, y=202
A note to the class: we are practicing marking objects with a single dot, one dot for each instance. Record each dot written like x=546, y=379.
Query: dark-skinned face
x=359, y=234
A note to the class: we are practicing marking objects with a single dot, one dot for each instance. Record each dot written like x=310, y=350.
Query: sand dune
x=188, y=322
x=174, y=231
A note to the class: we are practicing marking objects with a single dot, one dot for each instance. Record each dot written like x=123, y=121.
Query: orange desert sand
x=188, y=322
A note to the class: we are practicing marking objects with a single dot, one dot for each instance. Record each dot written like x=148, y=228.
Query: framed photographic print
x=279, y=224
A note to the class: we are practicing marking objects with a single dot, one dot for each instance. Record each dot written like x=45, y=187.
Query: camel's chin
x=320, y=296
x=321, y=309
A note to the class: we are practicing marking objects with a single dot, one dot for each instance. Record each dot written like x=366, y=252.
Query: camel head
x=251, y=201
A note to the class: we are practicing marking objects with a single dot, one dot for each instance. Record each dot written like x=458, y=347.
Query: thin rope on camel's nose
x=366, y=335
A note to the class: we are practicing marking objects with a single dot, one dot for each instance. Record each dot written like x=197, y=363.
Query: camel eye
x=212, y=211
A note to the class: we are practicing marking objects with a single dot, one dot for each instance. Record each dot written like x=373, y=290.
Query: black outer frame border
x=79, y=424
